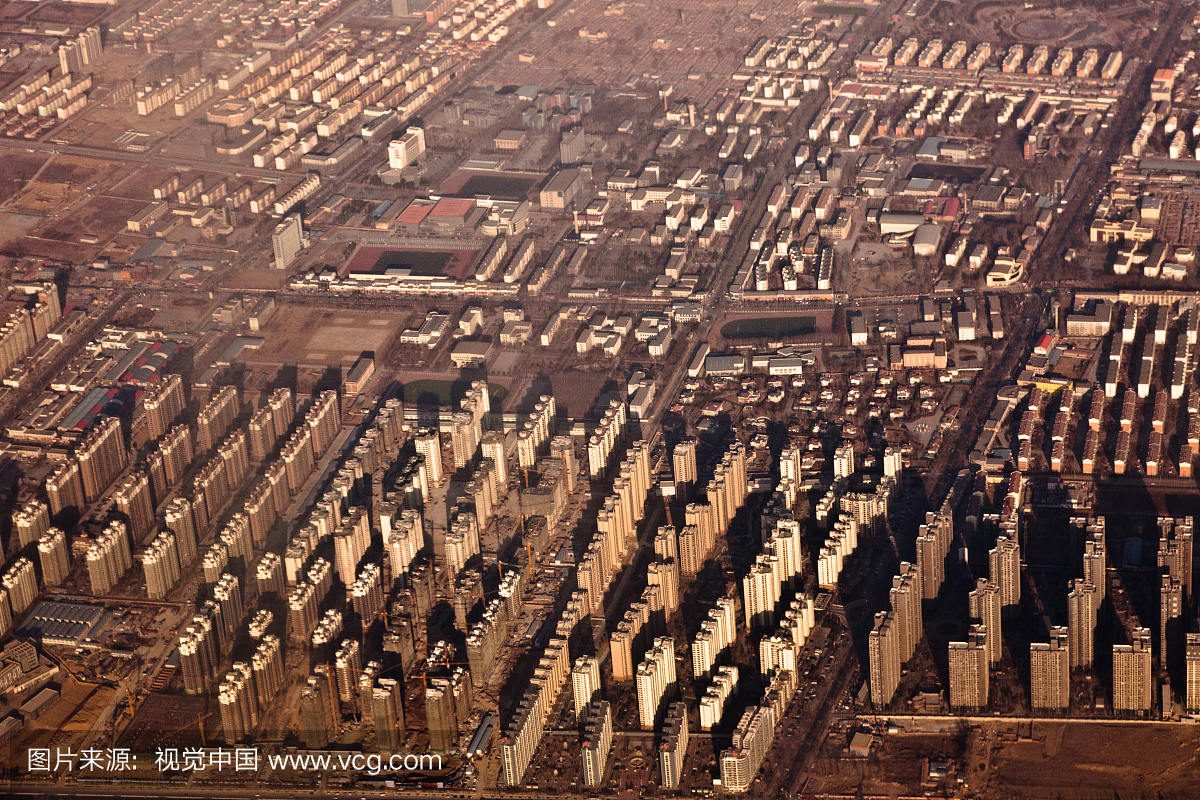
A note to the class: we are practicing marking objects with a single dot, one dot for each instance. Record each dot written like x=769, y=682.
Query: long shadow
x=538, y=386
x=330, y=379
x=286, y=377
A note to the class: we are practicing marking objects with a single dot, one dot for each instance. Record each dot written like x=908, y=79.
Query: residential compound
x=446, y=379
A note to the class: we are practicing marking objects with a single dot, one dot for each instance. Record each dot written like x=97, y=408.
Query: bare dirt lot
x=310, y=336
x=1101, y=24
x=16, y=169
x=103, y=217
x=1050, y=760
x=577, y=391
x=879, y=269
x=250, y=278
x=1084, y=760
x=694, y=43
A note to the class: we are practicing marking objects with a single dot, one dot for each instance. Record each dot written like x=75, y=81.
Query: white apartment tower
x=597, y=742
x=288, y=240
x=407, y=149
x=429, y=444
x=655, y=680
x=585, y=684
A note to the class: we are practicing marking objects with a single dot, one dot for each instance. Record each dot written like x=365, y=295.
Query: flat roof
x=473, y=348
x=561, y=181
x=452, y=207
x=415, y=213
x=1169, y=165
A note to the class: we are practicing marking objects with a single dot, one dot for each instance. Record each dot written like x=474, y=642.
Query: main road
x=114, y=154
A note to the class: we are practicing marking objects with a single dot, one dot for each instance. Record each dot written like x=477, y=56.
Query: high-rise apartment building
x=562, y=448
x=82, y=51
x=1095, y=558
x=520, y=739
x=267, y=663
x=52, y=553
x=843, y=461
x=6, y=620
x=906, y=610
x=163, y=405
x=665, y=575
x=31, y=521
x=597, y=742
x=407, y=149
x=440, y=717
x=1170, y=616
x=21, y=582
x=1175, y=550
x=199, y=653
x=324, y=420
x=283, y=410
x=712, y=705
x=108, y=558
x=585, y=684
x=683, y=462
x=1050, y=671
x=893, y=462
x=350, y=542
x=985, y=607
x=884, y=656
x=181, y=522
x=655, y=681
x=102, y=456
x=302, y=612
x=751, y=741
x=288, y=240
x=214, y=419
x=1082, y=603
x=160, y=562
x=238, y=701
x=969, y=676
x=268, y=576
x=491, y=445
x=262, y=436
x=672, y=749
x=1133, y=682
x=1192, y=673
x=1004, y=561
x=134, y=500
x=317, y=702
x=717, y=632
x=387, y=710
x=177, y=452
x=347, y=669
x=64, y=491
x=761, y=590
x=403, y=537
x=366, y=593
x=227, y=596
x=931, y=564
